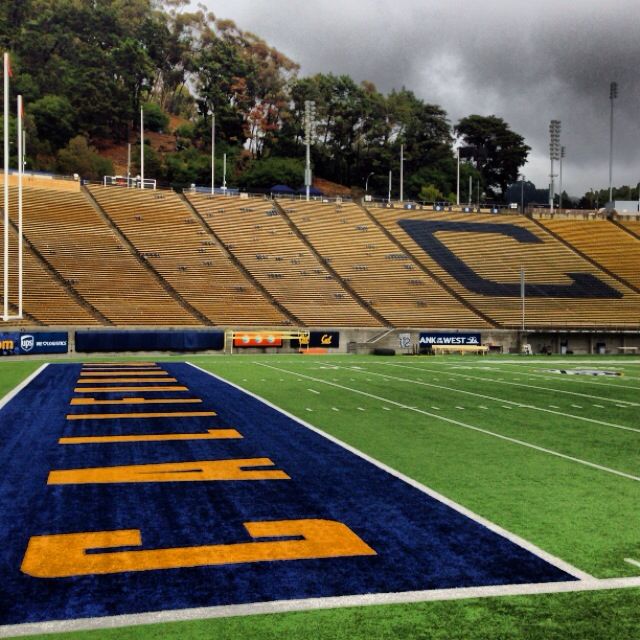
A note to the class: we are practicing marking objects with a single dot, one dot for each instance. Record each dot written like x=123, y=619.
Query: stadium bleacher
x=377, y=269
x=73, y=238
x=603, y=242
x=109, y=255
x=480, y=257
x=255, y=233
x=163, y=230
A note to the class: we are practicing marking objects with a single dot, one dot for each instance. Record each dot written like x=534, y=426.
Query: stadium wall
x=358, y=341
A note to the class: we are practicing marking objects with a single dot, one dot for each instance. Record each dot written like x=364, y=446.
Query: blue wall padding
x=113, y=341
x=420, y=542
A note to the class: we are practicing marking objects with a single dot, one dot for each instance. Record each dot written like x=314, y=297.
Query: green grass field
x=552, y=458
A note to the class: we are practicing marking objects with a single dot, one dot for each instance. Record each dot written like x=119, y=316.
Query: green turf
x=586, y=516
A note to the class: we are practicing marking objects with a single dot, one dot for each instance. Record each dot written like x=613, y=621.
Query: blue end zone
x=420, y=543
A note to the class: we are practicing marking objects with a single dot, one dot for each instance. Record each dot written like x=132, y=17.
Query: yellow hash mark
x=160, y=414
x=212, y=434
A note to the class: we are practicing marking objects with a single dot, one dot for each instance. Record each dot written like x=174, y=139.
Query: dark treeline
x=85, y=67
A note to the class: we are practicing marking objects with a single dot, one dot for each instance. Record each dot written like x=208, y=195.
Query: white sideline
x=17, y=389
x=286, y=606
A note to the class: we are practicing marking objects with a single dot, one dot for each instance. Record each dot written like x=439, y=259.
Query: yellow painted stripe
x=129, y=372
x=121, y=389
x=160, y=414
x=120, y=364
x=120, y=369
x=212, y=434
x=85, y=401
x=196, y=471
x=123, y=379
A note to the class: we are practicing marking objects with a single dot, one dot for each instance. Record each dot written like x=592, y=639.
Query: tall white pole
x=224, y=173
x=522, y=293
x=128, y=165
x=470, y=188
x=141, y=147
x=390, y=173
x=401, y=173
x=560, y=186
x=613, y=94
x=309, y=115
x=5, y=313
x=458, y=182
x=20, y=172
x=213, y=153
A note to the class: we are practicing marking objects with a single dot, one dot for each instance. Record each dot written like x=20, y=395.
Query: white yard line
x=511, y=402
x=635, y=563
x=464, y=425
x=18, y=388
x=567, y=379
x=520, y=384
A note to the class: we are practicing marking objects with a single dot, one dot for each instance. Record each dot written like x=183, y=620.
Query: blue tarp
x=282, y=188
x=110, y=341
x=312, y=191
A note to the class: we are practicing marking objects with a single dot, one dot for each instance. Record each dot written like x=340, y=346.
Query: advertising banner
x=438, y=338
x=9, y=344
x=13, y=344
x=257, y=339
x=324, y=339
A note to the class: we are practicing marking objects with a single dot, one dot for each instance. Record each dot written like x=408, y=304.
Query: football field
x=331, y=497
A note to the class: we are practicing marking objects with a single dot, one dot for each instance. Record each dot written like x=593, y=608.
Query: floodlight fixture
x=613, y=94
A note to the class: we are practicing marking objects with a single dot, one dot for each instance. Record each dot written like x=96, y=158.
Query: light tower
x=613, y=94
x=554, y=154
x=309, y=132
x=562, y=154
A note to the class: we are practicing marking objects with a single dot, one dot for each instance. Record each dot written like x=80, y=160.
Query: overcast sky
x=525, y=61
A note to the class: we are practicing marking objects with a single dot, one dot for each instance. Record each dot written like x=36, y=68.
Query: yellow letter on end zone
x=65, y=555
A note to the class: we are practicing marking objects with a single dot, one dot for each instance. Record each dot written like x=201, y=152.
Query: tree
x=155, y=119
x=81, y=158
x=497, y=152
x=265, y=173
x=55, y=119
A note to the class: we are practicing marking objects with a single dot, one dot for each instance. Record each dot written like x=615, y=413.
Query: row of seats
x=74, y=239
x=253, y=262
x=481, y=258
x=607, y=244
x=170, y=237
x=257, y=235
x=45, y=299
x=373, y=265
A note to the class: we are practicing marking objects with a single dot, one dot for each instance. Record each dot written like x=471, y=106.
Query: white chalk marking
x=19, y=387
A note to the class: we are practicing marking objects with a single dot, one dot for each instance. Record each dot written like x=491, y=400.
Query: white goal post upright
x=5, y=311
x=20, y=175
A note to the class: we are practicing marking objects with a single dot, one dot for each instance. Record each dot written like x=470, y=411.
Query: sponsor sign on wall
x=438, y=338
x=13, y=344
x=319, y=339
x=257, y=339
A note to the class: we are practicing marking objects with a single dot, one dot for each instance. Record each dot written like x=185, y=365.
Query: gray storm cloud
x=527, y=62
